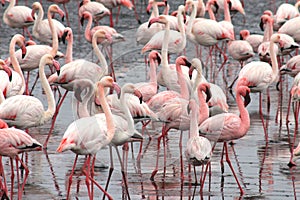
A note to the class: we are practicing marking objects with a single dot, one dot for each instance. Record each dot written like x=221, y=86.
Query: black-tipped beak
x=241, y=37
x=63, y=18
x=82, y=20
x=208, y=94
x=277, y=85
x=188, y=109
x=56, y=66
x=63, y=37
x=191, y=72
x=166, y=3
x=81, y=4
x=158, y=58
x=24, y=51
x=247, y=99
x=261, y=25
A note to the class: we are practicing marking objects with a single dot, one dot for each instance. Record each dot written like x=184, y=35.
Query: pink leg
x=3, y=186
x=87, y=180
x=230, y=165
x=111, y=20
x=67, y=15
x=26, y=174
x=288, y=110
x=181, y=157
x=12, y=177
x=135, y=12
x=54, y=119
x=262, y=116
x=118, y=13
x=71, y=176
x=111, y=169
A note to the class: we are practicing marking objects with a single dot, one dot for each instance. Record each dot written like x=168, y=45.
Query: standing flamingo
x=25, y=111
x=228, y=126
x=254, y=39
x=177, y=40
x=5, y=77
x=41, y=28
x=13, y=142
x=18, y=17
x=86, y=136
x=285, y=12
x=98, y=10
x=64, y=2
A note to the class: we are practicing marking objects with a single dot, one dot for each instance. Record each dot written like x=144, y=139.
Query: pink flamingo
x=41, y=28
x=259, y=75
x=98, y=10
x=5, y=77
x=18, y=17
x=291, y=28
x=25, y=111
x=149, y=89
x=200, y=8
x=145, y=33
x=198, y=148
x=86, y=136
x=285, y=12
x=17, y=84
x=177, y=40
x=228, y=126
x=292, y=66
x=79, y=69
x=63, y=2
x=236, y=6
x=13, y=142
x=294, y=99
x=254, y=39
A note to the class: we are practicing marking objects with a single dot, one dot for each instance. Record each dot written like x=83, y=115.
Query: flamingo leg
x=3, y=187
x=230, y=165
x=87, y=179
x=34, y=83
x=71, y=176
x=181, y=157
x=157, y=159
x=18, y=179
x=26, y=173
x=204, y=176
x=111, y=169
x=288, y=109
x=12, y=176
x=67, y=15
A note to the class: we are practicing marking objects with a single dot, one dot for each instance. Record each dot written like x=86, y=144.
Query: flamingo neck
x=107, y=112
x=210, y=12
x=39, y=18
x=194, y=132
x=16, y=65
x=54, y=34
x=87, y=32
x=227, y=16
x=48, y=114
x=83, y=106
x=100, y=56
x=273, y=61
x=199, y=78
x=10, y=5
x=155, y=11
x=184, y=91
x=190, y=22
x=181, y=28
x=153, y=76
x=165, y=46
x=128, y=116
x=69, y=51
x=203, y=108
x=244, y=115
x=2, y=98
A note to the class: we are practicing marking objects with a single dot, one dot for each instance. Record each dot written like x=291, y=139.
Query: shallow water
x=261, y=166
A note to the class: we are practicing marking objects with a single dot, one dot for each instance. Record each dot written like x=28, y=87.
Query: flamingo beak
x=153, y=20
x=63, y=37
x=56, y=65
x=148, y=8
x=117, y=88
x=247, y=99
x=261, y=25
x=139, y=95
x=82, y=20
x=8, y=70
x=208, y=94
x=32, y=13
x=158, y=57
x=24, y=51
x=191, y=69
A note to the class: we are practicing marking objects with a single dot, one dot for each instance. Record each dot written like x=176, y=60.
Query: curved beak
x=139, y=95
x=117, y=88
x=63, y=37
x=56, y=65
x=148, y=8
x=153, y=20
x=208, y=94
x=8, y=70
x=32, y=13
x=247, y=99
x=82, y=20
x=191, y=69
x=24, y=51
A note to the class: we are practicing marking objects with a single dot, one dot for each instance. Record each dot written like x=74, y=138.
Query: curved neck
x=268, y=31
x=194, y=132
x=87, y=32
x=226, y=12
x=184, y=91
x=2, y=98
x=83, y=106
x=69, y=51
x=210, y=12
x=245, y=119
x=191, y=20
x=15, y=64
x=50, y=97
x=100, y=56
x=155, y=11
x=107, y=113
x=165, y=46
x=274, y=61
x=11, y=4
x=181, y=28
x=153, y=76
x=128, y=116
x=54, y=35
x=203, y=108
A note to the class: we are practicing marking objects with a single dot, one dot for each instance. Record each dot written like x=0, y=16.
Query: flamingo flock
x=177, y=97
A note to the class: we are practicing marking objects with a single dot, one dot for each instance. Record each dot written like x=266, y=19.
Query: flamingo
x=285, y=12
x=64, y=2
x=291, y=28
x=177, y=40
x=145, y=33
x=79, y=69
x=228, y=126
x=87, y=135
x=292, y=66
x=200, y=8
x=17, y=84
x=149, y=89
x=259, y=75
x=254, y=39
x=18, y=17
x=13, y=142
x=98, y=10
x=198, y=148
x=5, y=77
x=41, y=29
x=236, y=6
x=24, y=111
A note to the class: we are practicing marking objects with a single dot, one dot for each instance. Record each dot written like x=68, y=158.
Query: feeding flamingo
x=13, y=142
x=228, y=126
x=41, y=28
x=18, y=17
x=87, y=135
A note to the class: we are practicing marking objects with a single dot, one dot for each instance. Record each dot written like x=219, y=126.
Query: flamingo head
x=161, y=19
x=264, y=19
x=29, y=43
x=5, y=68
x=127, y=3
x=54, y=8
x=102, y=34
x=245, y=92
x=244, y=34
x=130, y=88
x=188, y=5
x=67, y=35
x=106, y=81
x=85, y=15
x=3, y=2
x=155, y=55
x=205, y=87
x=20, y=41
